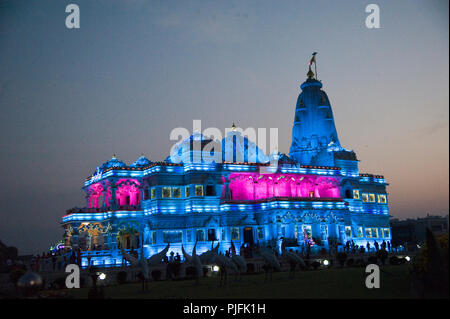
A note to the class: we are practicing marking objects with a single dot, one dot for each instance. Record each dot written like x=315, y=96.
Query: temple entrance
x=248, y=235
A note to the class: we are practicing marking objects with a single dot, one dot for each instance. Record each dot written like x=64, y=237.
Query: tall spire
x=314, y=134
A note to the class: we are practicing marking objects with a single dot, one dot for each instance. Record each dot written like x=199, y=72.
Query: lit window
x=356, y=194
x=260, y=233
x=234, y=233
x=153, y=193
x=311, y=193
x=186, y=191
x=365, y=197
x=387, y=233
x=368, y=232
x=153, y=238
x=372, y=198
x=176, y=192
x=166, y=192
x=200, y=235
x=375, y=232
x=198, y=190
x=359, y=232
x=348, y=231
x=382, y=199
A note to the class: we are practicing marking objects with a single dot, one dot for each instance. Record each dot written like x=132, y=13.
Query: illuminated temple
x=314, y=196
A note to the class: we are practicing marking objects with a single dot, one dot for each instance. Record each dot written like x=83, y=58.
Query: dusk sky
x=71, y=98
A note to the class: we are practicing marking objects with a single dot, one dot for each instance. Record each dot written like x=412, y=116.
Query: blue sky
x=136, y=69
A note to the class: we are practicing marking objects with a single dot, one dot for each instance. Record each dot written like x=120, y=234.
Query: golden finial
x=233, y=127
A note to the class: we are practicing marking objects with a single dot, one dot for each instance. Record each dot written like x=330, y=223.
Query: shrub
x=250, y=268
x=429, y=268
x=121, y=277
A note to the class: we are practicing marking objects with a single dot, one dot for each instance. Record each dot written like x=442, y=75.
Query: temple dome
x=113, y=162
x=235, y=147
x=142, y=161
x=238, y=148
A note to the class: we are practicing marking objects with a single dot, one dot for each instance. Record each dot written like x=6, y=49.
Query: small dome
x=281, y=157
x=113, y=162
x=142, y=161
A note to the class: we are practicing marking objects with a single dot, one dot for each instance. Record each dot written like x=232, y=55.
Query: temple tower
x=314, y=135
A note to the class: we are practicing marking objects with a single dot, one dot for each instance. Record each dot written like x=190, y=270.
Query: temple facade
x=314, y=196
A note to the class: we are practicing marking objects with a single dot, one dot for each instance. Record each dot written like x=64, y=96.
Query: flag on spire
x=313, y=59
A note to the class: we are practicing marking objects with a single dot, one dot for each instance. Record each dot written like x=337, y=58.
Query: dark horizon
x=135, y=70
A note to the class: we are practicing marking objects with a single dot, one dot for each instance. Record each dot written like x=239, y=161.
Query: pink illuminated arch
x=128, y=192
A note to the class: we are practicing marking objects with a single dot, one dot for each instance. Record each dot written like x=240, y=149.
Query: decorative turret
x=314, y=135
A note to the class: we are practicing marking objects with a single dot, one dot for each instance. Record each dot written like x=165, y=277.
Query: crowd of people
x=351, y=247
x=56, y=260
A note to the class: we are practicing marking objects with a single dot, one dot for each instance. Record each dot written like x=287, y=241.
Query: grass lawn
x=325, y=283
